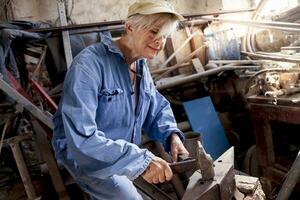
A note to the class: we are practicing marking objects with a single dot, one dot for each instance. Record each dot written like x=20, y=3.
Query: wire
x=68, y=13
x=3, y=133
x=72, y=8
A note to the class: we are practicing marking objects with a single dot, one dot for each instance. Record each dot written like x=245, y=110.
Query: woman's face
x=146, y=42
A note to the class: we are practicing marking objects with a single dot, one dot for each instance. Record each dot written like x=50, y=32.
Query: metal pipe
x=270, y=57
x=237, y=61
x=77, y=26
x=121, y=22
x=291, y=48
x=161, y=70
x=219, y=13
x=279, y=54
x=292, y=27
x=254, y=22
x=115, y=30
x=195, y=77
x=250, y=44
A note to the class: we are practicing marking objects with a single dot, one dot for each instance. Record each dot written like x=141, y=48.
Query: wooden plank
x=47, y=155
x=169, y=50
x=264, y=144
x=288, y=114
x=197, y=65
x=29, y=189
x=28, y=105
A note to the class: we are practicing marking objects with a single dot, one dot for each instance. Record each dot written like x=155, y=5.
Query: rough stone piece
x=246, y=184
x=258, y=194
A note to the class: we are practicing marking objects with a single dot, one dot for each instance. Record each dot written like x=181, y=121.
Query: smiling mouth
x=154, y=49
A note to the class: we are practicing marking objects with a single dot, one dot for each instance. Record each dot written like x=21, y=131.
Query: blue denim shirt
x=97, y=129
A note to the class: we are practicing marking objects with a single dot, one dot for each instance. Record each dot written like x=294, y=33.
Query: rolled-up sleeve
x=93, y=152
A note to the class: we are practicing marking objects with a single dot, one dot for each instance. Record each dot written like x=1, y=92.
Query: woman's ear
x=128, y=27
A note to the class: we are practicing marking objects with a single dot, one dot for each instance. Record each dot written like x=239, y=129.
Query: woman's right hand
x=158, y=171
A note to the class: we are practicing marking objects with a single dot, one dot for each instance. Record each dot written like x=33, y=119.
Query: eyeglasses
x=155, y=34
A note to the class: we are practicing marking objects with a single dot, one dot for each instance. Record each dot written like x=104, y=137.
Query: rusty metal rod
x=121, y=22
x=198, y=76
x=164, y=69
x=77, y=26
x=219, y=12
x=296, y=48
x=279, y=54
x=271, y=57
x=281, y=28
x=239, y=62
x=255, y=22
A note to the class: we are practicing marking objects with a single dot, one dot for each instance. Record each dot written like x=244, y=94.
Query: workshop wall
x=82, y=11
x=96, y=10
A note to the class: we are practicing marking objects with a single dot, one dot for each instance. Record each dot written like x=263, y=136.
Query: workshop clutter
x=26, y=110
x=202, y=60
x=222, y=43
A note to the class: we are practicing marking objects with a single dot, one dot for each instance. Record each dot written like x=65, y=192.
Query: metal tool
x=204, y=160
x=209, y=181
x=221, y=187
x=183, y=166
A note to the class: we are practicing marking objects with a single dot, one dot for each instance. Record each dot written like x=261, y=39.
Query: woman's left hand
x=177, y=147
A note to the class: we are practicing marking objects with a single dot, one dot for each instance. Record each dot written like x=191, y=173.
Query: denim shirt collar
x=111, y=45
x=106, y=39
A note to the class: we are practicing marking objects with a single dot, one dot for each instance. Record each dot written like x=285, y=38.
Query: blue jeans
x=116, y=187
x=113, y=188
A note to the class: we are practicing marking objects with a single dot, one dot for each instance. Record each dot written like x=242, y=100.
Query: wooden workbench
x=263, y=111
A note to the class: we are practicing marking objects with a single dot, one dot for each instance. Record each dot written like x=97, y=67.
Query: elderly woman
x=108, y=99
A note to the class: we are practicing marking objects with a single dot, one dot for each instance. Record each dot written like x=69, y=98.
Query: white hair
x=168, y=22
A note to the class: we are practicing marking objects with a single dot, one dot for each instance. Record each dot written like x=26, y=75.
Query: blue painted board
x=204, y=119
